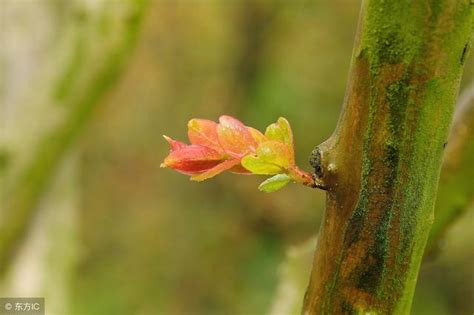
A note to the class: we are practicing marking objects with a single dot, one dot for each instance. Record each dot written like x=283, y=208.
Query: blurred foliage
x=217, y=249
x=153, y=242
x=51, y=142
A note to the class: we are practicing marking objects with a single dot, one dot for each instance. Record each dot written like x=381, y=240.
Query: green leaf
x=271, y=158
x=274, y=183
x=281, y=132
x=257, y=166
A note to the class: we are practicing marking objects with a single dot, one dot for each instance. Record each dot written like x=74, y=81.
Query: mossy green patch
x=397, y=94
x=392, y=35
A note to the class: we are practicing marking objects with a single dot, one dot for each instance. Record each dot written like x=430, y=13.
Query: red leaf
x=234, y=137
x=223, y=166
x=192, y=159
x=204, y=132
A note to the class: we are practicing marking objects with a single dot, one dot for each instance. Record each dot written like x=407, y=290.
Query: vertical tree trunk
x=381, y=166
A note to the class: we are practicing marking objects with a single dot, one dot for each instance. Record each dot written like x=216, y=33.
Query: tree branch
x=382, y=164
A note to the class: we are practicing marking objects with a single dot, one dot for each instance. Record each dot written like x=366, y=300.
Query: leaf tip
x=192, y=123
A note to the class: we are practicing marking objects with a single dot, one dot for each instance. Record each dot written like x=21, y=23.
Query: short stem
x=305, y=178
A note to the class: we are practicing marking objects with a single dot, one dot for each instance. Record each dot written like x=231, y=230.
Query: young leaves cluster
x=230, y=145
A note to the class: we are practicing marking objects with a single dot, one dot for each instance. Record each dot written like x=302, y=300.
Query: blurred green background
x=87, y=89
